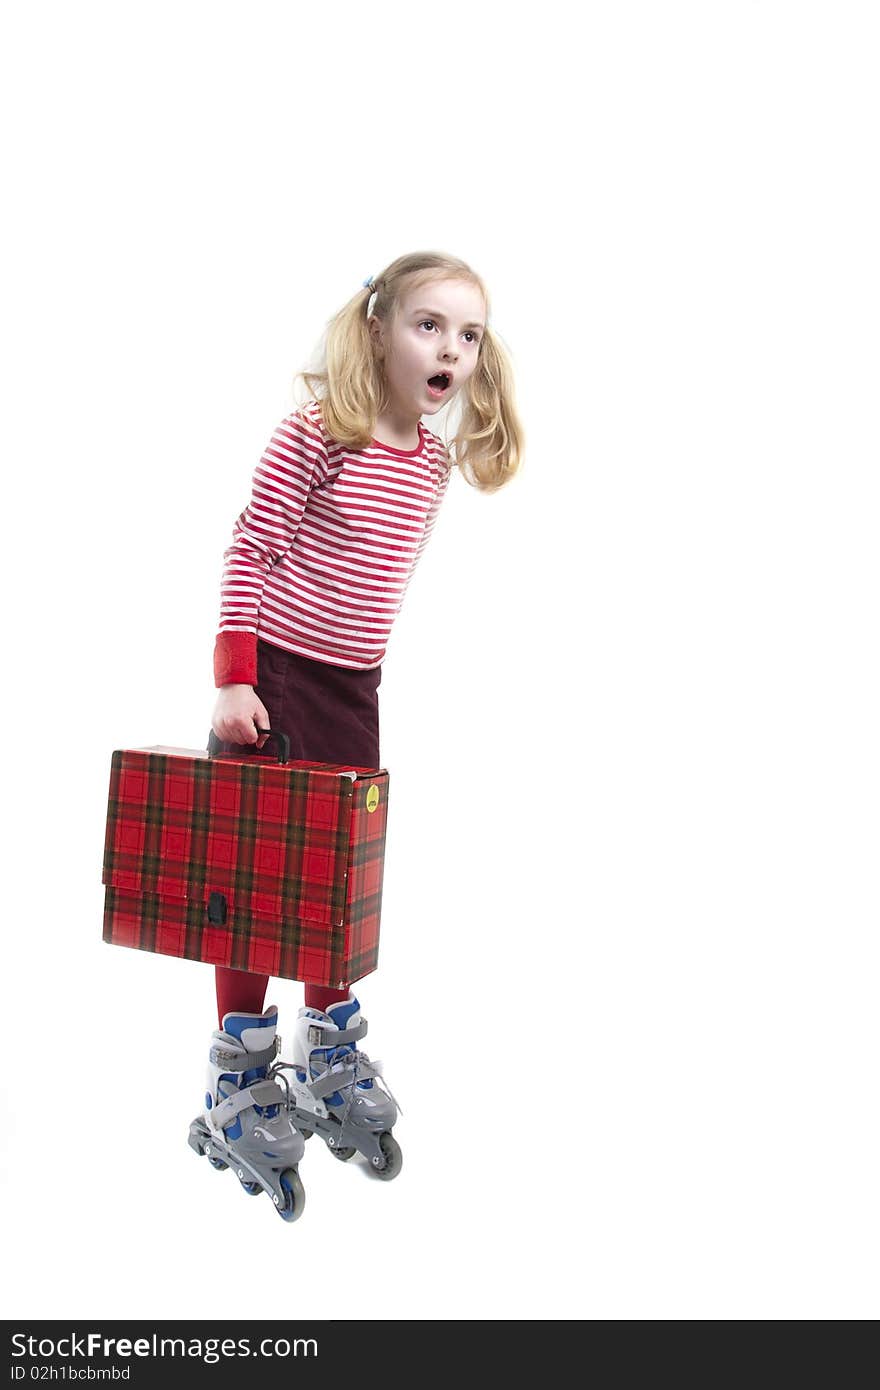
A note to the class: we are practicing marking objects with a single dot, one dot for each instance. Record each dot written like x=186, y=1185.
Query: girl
x=344, y=501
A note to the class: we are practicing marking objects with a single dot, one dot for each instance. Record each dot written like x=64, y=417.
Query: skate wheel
x=217, y=1163
x=253, y=1189
x=295, y=1194
x=343, y=1154
x=393, y=1158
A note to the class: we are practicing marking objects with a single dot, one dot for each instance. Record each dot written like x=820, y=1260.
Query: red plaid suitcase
x=241, y=859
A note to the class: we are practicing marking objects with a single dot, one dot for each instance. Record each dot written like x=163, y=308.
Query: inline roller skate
x=335, y=1092
x=246, y=1125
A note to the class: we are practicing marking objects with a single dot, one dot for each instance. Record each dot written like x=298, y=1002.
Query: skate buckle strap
x=260, y=1093
x=355, y=1067
x=340, y=1035
x=222, y=1056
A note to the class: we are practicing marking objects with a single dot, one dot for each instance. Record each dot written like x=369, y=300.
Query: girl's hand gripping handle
x=239, y=715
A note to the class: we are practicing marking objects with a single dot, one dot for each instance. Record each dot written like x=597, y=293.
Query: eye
x=474, y=337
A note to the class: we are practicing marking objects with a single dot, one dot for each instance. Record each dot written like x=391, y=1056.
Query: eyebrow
x=435, y=314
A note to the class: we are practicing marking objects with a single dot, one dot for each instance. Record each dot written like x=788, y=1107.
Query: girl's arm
x=294, y=460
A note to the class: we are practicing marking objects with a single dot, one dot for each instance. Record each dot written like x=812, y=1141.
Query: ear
x=375, y=329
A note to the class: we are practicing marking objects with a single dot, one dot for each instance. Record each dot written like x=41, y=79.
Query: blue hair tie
x=368, y=281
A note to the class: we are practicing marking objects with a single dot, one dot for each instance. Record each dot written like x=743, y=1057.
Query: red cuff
x=235, y=658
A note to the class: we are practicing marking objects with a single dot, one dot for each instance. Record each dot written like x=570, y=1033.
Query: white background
x=628, y=979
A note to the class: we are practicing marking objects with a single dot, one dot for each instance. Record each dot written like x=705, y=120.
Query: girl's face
x=438, y=328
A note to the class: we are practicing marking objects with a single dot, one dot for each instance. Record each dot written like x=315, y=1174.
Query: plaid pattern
x=293, y=849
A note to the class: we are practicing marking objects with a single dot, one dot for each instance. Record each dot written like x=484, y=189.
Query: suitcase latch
x=217, y=909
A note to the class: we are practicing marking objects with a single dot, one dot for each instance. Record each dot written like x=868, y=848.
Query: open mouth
x=438, y=385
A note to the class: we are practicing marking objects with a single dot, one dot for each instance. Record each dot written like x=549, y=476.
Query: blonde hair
x=350, y=384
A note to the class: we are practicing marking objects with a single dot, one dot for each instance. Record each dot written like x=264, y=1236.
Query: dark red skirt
x=329, y=713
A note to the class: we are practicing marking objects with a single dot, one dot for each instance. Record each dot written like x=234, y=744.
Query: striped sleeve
x=445, y=475
x=293, y=462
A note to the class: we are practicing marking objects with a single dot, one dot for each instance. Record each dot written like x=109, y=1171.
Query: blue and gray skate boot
x=246, y=1125
x=338, y=1092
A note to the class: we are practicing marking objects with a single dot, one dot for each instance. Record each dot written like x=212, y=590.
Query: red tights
x=240, y=992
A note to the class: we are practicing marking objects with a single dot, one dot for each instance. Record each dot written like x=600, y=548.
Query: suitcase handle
x=216, y=745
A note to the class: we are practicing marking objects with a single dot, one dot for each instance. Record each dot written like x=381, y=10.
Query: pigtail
x=488, y=445
x=350, y=384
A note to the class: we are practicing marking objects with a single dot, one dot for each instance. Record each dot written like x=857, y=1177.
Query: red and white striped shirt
x=322, y=555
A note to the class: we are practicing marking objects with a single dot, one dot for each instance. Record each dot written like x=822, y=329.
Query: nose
x=448, y=350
